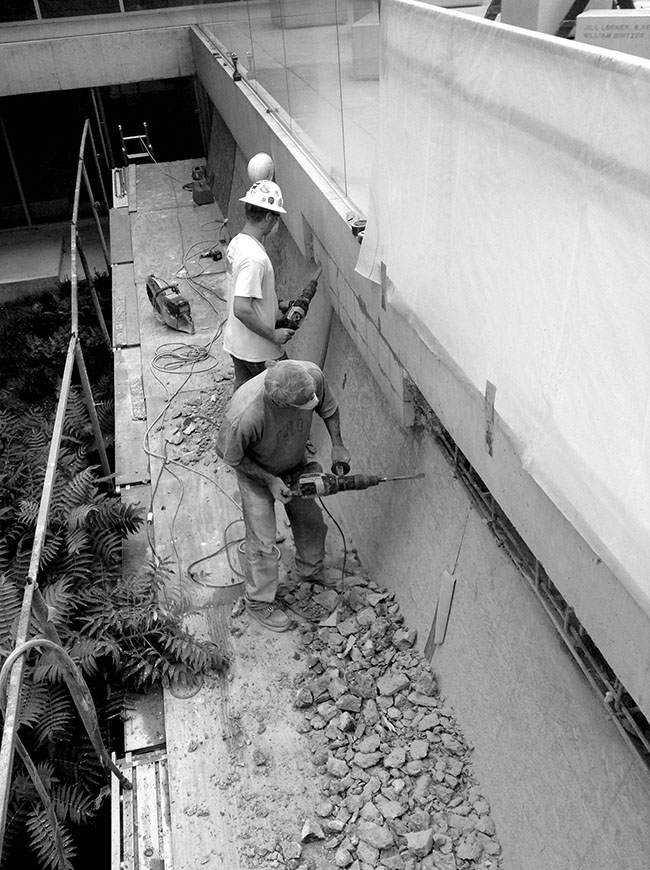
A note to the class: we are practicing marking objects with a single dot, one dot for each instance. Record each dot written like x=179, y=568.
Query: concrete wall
x=38, y=56
x=566, y=790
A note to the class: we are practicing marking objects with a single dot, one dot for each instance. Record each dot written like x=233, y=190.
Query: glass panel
x=296, y=60
x=17, y=10
x=359, y=41
x=312, y=56
x=230, y=25
x=66, y=8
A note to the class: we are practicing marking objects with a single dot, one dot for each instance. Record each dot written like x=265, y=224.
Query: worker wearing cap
x=263, y=437
x=250, y=335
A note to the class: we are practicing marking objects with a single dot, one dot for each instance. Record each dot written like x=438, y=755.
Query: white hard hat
x=260, y=167
x=265, y=194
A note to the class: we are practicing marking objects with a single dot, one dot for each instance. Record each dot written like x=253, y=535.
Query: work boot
x=269, y=614
x=321, y=578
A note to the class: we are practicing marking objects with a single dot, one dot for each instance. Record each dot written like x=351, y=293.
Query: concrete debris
x=399, y=789
x=312, y=830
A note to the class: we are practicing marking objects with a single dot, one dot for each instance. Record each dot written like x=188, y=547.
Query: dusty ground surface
x=325, y=747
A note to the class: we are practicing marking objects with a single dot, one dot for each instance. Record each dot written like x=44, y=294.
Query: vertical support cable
x=98, y=104
x=92, y=410
x=93, y=293
x=74, y=308
x=98, y=167
x=96, y=216
x=28, y=217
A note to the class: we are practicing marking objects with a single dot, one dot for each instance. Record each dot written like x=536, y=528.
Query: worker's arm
x=243, y=310
x=278, y=488
x=340, y=453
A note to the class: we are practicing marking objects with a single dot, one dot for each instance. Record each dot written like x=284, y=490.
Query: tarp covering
x=510, y=206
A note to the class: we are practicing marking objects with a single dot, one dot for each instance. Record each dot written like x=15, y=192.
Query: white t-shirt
x=251, y=276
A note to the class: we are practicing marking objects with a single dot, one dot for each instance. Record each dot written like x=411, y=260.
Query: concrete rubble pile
x=400, y=793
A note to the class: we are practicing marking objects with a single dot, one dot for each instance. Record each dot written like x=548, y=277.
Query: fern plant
x=115, y=628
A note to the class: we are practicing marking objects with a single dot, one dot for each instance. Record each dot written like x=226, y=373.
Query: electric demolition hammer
x=314, y=484
x=298, y=308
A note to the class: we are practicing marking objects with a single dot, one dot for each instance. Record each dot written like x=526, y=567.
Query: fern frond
x=79, y=763
x=73, y=803
x=78, y=491
x=28, y=511
x=108, y=546
x=10, y=603
x=50, y=840
x=35, y=703
x=59, y=720
x=78, y=516
x=59, y=599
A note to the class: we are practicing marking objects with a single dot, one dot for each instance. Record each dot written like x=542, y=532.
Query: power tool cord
x=345, y=545
x=225, y=547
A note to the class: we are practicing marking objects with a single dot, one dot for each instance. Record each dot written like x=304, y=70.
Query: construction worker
x=263, y=437
x=250, y=335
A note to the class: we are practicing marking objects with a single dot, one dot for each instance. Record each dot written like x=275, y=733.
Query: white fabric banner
x=510, y=206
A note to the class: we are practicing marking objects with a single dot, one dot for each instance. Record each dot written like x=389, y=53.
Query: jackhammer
x=298, y=308
x=314, y=484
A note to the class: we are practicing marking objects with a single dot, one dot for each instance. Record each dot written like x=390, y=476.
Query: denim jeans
x=309, y=531
x=245, y=370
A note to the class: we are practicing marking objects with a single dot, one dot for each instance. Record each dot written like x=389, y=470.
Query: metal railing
x=33, y=603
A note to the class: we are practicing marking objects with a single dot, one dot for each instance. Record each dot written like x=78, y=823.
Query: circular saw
x=169, y=305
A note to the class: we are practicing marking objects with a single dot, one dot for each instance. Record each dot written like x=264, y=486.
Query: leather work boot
x=321, y=578
x=269, y=614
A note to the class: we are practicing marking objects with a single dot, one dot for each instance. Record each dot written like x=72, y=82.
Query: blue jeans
x=309, y=532
x=245, y=370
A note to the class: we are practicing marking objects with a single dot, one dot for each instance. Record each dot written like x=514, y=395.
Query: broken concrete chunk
x=292, y=851
x=342, y=858
x=389, y=809
x=404, y=638
x=392, y=683
x=304, y=698
x=369, y=743
x=468, y=850
x=377, y=836
x=351, y=703
x=337, y=767
x=395, y=758
x=419, y=749
x=420, y=842
x=311, y=830
x=428, y=722
x=367, y=759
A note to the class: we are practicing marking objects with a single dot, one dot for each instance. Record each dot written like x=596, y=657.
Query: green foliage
x=34, y=338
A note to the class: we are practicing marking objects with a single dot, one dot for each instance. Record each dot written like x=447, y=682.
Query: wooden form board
x=136, y=551
x=131, y=462
x=126, y=320
x=142, y=827
x=120, y=236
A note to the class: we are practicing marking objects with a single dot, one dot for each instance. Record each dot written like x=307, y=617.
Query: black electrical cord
x=345, y=546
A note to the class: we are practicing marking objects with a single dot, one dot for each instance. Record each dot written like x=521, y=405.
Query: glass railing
x=317, y=59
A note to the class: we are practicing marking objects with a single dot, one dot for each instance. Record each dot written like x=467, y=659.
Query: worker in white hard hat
x=250, y=335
